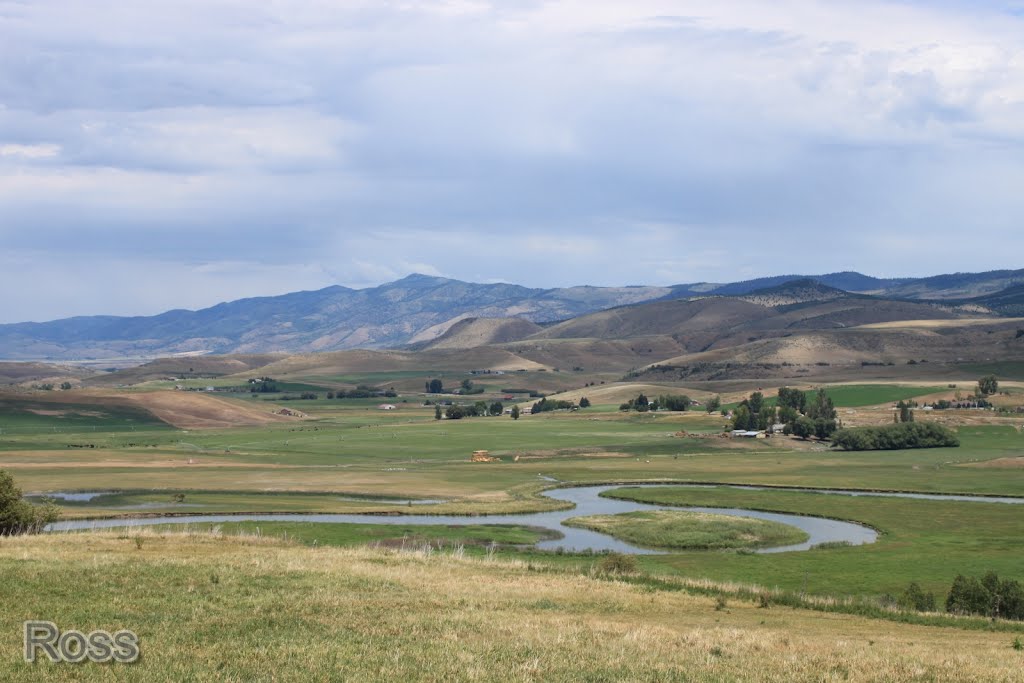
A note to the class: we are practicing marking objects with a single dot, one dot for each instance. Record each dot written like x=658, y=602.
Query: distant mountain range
x=419, y=309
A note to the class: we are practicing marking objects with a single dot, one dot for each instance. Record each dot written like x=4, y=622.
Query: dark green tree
x=18, y=516
x=804, y=428
x=743, y=419
x=713, y=404
x=584, y=402
x=435, y=386
x=788, y=415
x=913, y=598
x=821, y=407
x=675, y=403
x=515, y=412
x=968, y=596
x=988, y=385
x=792, y=398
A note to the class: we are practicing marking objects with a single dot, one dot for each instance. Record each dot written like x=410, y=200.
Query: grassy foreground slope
x=233, y=609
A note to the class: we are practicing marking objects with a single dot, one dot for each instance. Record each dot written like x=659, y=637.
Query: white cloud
x=543, y=142
x=43, y=151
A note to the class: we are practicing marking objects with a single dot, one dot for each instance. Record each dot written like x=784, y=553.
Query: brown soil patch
x=193, y=410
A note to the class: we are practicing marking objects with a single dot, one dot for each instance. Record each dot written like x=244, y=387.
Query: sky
x=175, y=154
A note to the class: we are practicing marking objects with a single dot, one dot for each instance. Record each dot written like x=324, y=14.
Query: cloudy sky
x=180, y=153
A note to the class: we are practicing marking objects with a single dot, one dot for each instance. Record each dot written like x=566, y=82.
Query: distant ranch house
x=387, y=406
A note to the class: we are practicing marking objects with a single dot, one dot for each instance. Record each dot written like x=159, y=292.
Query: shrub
x=18, y=516
x=913, y=598
x=618, y=563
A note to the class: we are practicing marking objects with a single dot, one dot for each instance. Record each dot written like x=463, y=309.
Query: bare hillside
x=693, y=324
x=472, y=332
x=18, y=373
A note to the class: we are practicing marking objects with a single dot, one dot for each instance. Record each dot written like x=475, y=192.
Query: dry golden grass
x=622, y=392
x=194, y=410
x=246, y=609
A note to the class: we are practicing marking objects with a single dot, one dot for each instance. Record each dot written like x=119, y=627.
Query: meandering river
x=587, y=501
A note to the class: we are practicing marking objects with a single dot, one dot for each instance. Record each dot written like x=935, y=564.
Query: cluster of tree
x=671, y=402
x=434, y=386
x=18, y=516
x=263, y=385
x=801, y=416
x=641, y=403
x=363, y=391
x=545, y=406
x=989, y=596
x=895, y=437
x=532, y=393
x=1020, y=333
x=754, y=414
x=714, y=403
x=818, y=418
x=468, y=389
x=903, y=412
x=304, y=396
x=478, y=409
x=943, y=404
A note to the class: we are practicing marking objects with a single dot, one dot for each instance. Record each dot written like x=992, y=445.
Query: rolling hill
x=420, y=309
x=472, y=332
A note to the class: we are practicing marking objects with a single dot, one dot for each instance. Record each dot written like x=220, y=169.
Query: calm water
x=587, y=500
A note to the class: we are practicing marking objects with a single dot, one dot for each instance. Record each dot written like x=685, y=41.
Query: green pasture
x=926, y=541
x=27, y=416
